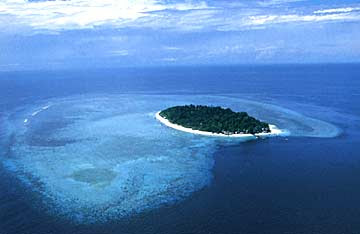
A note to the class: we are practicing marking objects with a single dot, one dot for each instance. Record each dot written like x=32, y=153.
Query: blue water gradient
x=95, y=157
x=91, y=157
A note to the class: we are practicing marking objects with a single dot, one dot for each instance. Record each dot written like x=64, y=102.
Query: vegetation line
x=214, y=119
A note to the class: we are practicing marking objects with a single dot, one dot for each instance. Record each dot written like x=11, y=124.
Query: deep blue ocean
x=70, y=159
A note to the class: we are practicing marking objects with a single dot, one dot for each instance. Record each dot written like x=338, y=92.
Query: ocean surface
x=81, y=152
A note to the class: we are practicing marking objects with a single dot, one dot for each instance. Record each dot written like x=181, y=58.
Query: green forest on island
x=214, y=119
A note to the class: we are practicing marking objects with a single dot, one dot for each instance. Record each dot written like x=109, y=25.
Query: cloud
x=337, y=10
x=271, y=19
x=9, y=65
x=228, y=49
x=276, y=2
x=265, y=52
x=171, y=48
x=75, y=14
x=119, y=52
x=260, y=21
x=170, y=59
x=185, y=15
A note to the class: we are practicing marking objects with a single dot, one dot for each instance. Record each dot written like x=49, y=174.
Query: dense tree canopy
x=214, y=119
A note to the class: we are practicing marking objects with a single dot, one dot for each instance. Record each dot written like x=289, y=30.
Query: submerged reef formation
x=93, y=158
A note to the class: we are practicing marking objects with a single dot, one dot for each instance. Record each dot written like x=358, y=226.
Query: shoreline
x=274, y=130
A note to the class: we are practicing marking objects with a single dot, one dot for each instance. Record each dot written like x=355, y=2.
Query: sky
x=58, y=34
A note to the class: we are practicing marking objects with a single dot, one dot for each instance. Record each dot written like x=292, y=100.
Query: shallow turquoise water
x=98, y=157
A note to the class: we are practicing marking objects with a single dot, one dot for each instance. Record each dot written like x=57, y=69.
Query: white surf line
x=45, y=107
x=274, y=130
x=37, y=112
x=42, y=109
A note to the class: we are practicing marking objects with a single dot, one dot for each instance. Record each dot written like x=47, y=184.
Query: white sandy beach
x=274, y=131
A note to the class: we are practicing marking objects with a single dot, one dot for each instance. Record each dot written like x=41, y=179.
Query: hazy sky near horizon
x=38, y=34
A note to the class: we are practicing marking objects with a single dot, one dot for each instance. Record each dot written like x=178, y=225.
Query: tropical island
x=210, y=120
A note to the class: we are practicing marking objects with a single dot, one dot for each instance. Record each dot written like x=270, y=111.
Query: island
x=214, y=121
